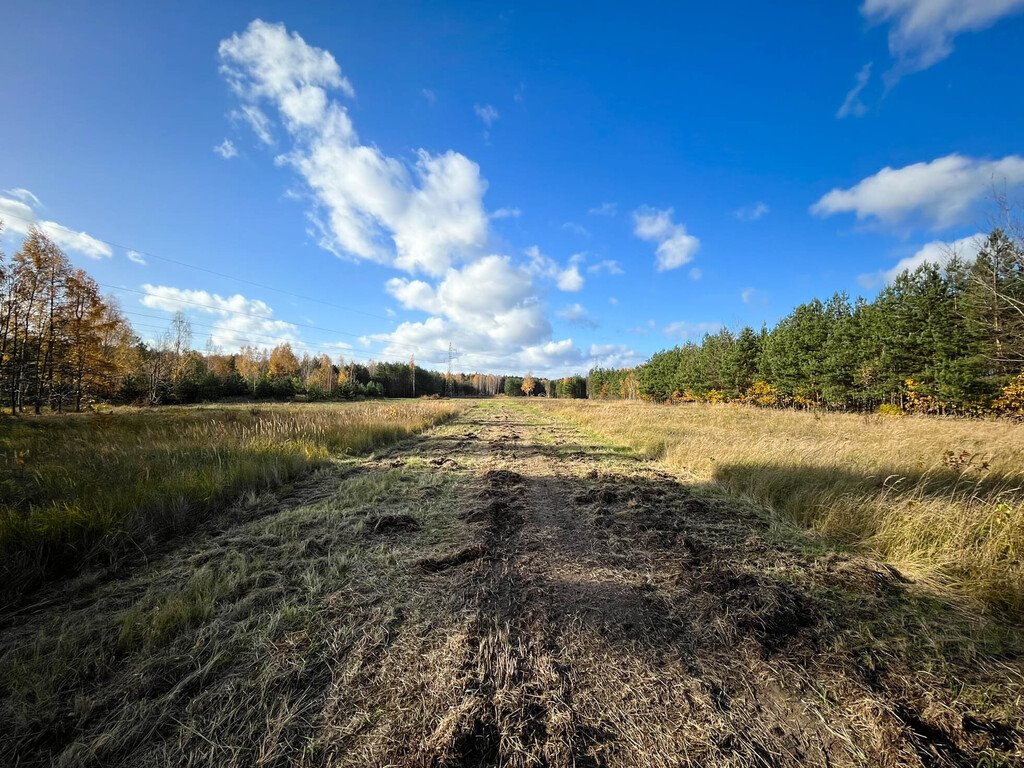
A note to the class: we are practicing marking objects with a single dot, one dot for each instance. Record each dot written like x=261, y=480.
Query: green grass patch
x=88, y=486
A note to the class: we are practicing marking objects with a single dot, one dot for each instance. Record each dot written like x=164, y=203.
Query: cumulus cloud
x=577, y=314
x=226, y=149
x=240, y=321
x=490, y=311
x=852, y=104
x=418, y=216
x=940, y=193
x=938, y=252
x=922, y=31
x=507, y=213
x=568, y=278
x=19, y=215
x=675, y=246
x=687, y=331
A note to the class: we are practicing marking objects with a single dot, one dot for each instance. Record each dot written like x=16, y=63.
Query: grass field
x=76, y=487
x=943, y=499
x=525, y=584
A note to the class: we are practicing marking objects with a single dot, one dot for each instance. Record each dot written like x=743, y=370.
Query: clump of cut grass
x=943, y=499
x=80, y=487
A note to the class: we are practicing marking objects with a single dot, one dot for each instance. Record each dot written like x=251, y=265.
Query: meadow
x=93, y=487
x=942, y=499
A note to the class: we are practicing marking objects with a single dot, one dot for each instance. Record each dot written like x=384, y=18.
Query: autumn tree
x=283, y=363
x=528, y=384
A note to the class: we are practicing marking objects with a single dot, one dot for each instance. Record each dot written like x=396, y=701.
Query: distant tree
x=283, y=363
x=528, y=384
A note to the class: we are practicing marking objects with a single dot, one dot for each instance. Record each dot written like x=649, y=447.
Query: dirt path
x=503, y=590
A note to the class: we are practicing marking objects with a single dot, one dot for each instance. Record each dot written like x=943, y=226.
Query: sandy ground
x=502, y=590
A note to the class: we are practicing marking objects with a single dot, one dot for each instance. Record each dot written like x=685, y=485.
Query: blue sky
x=548, y=186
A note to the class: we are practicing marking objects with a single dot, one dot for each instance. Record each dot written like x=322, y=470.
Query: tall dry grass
x=942, y=499
x=79, y=486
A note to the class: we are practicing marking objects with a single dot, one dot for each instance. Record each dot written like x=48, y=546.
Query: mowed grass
x=74, y=487
x=942, y=499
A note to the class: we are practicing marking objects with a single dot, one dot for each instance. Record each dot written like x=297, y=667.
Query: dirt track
x=510, y=592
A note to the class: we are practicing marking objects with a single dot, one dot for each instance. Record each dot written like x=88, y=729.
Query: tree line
x=944, y=340
x=64, y=346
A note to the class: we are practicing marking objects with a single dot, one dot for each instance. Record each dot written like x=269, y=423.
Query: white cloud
x=613, y=356
x=611, y=266
x=489, y=304
x=940, y=193
x=507, y=213
x=577, y=314
x=753, y=295
x=696, y=273
x=604, y=209
x=240, y=321
x=938, y=252
x=226, y=149
x=136, y=257
x=429, y=95
x=488, y=115
x=923, y=31
x=19, y=216
x=852, y=104
x=257, y=120
x=418, y=217
x=576, y=229
x=569, y=279
x=489, y=310
x=24, y=196
x=687, y=331
x=675, y=246
x=752, y=212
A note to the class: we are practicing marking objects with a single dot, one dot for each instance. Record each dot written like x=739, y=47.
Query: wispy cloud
x=752, y=212
x=922, y=31
x=687, y=331
x=604, y=209
x=18, y=212
x=852, y=104
x=610, y=266
x=577, y=314
x=226, y=149
x=488, y=115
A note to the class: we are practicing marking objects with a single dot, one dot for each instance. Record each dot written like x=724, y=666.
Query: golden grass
x=942, y=499
x=77, y=486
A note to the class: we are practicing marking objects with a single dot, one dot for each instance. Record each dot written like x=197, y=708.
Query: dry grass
x=505, y=590
x=941, y=499
x=78, y=487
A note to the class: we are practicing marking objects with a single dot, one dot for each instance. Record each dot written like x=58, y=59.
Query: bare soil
x=506, y=591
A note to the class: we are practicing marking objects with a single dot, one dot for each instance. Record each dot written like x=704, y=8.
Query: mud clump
x=502, y=478
x=444, y=562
